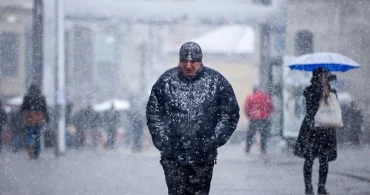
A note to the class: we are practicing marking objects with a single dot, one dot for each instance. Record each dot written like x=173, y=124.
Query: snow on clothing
x=315, y=142
x=258, y=106
x=189, y=117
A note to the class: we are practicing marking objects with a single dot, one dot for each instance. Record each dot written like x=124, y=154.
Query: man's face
x=189, y=68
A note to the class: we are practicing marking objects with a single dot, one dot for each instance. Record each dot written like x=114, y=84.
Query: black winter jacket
x=312, y=141
x=189, y=117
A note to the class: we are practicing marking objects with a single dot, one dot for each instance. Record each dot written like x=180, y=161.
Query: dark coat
x=315, y=142
x=34, y=101
x=189, y=117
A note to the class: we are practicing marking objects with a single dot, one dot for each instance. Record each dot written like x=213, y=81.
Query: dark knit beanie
x=191, y=51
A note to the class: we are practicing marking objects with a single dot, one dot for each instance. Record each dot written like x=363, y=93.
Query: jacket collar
x=198, y=75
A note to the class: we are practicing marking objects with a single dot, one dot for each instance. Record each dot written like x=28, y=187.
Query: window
x=9, y=54
x=83, y=53
x=303, y=42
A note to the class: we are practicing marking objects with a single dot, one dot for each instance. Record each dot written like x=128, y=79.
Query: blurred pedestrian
x=258, y=108
x=17, y=124
x=3, y=119
x=91, y=120
x=357, y=122
x=353, y=119
x=35, y=109
x=192, y=110
x=316, y=142
x=137, y=120
x=68, y=111
x=71, y=129
x=77, y=130
x=112, y=120
x=346, y=131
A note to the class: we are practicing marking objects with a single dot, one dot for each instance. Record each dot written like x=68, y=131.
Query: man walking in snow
x=192, y=110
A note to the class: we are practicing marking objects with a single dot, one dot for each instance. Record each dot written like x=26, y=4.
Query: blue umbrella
x=329, y=61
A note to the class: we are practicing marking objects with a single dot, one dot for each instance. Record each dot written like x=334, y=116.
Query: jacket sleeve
x=228, y=114
x=155, y=118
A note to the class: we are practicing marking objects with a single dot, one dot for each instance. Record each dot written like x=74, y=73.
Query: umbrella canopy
x=117, y=105
x=329, y=61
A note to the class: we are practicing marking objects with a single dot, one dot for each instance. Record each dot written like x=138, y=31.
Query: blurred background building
x=112, y=58
x=14, y=48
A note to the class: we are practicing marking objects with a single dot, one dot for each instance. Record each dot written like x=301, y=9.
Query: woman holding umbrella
x=316, y=142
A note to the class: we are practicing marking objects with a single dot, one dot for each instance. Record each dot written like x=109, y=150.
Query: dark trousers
x=33, y=134
x=262, y=126
x=323, y=171
x=192, y=179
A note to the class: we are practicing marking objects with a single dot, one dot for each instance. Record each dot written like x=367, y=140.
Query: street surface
x=95, y=172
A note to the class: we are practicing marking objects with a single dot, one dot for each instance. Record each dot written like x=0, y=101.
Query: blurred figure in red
x=258, y=108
